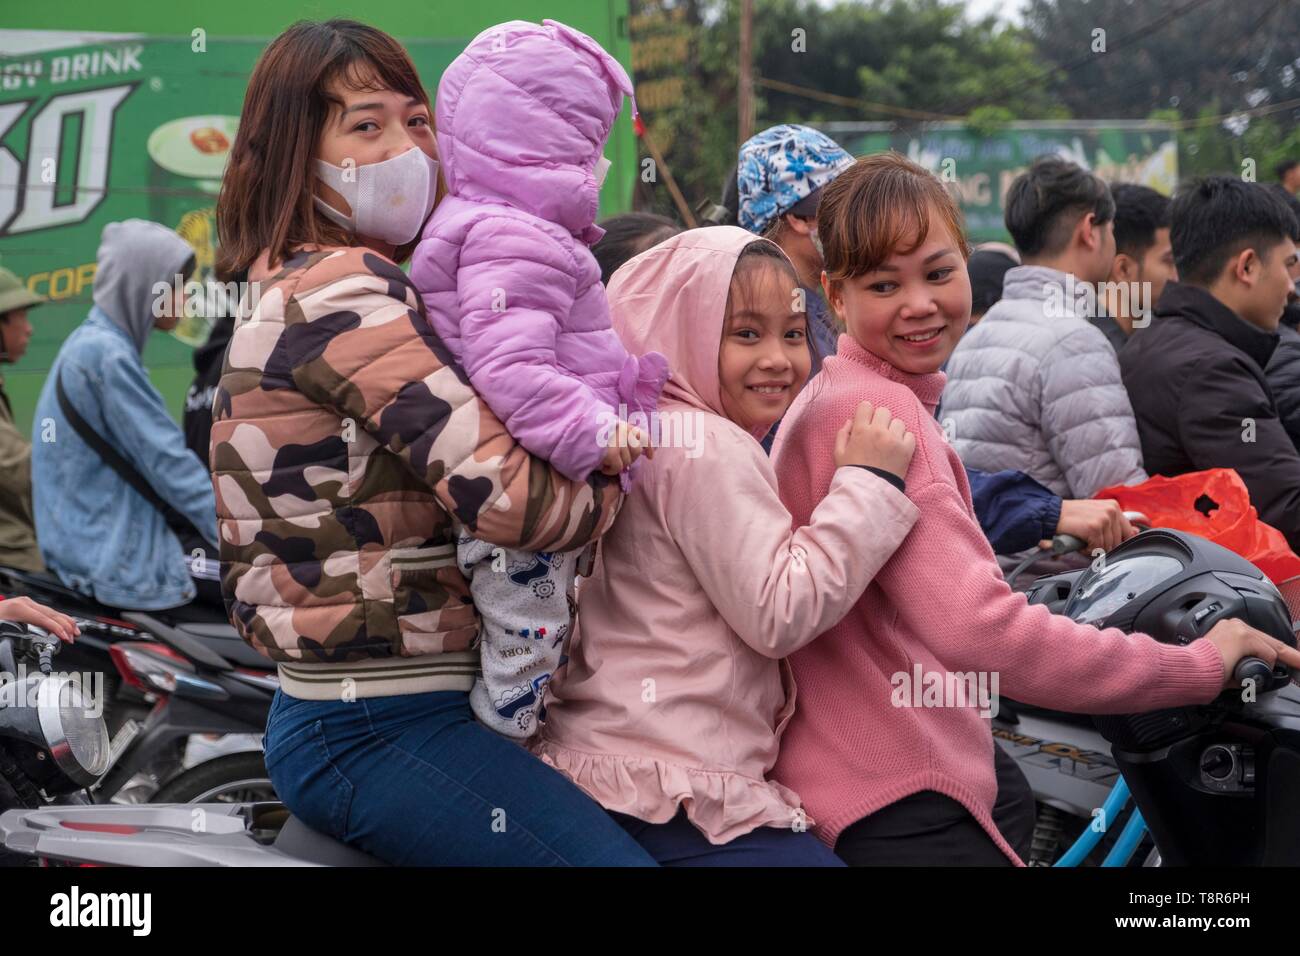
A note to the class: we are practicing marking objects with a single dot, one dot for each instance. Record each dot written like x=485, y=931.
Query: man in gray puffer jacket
x=1035, y=386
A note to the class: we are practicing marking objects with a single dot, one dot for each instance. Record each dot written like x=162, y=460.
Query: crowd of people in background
x=884, y=415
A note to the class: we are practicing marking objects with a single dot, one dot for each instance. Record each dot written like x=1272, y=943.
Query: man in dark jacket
x=1283, y=371
x=1196, y=375
x=1144, y=262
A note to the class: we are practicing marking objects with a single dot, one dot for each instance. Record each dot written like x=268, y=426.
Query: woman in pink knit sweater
x=889, y=780
x=671, y=707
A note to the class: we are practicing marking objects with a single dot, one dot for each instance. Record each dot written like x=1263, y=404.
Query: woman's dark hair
x=266, y=193
x=629, y=234
x=1217, y=217
x=1047, y=201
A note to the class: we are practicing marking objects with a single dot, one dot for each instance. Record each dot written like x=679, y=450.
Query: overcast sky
x=1006, y=9
x=1009, y=11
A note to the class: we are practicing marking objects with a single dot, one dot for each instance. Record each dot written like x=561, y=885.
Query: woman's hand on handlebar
x=1099, y=522
x=1235, y=639
x=26, y=611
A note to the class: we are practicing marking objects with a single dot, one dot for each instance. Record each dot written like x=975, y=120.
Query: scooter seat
x=300, y=841
x=225, y=640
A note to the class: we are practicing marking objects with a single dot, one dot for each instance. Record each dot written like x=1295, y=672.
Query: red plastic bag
x=1224, y=516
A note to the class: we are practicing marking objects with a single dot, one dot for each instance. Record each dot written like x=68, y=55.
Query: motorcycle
x=1076, y=764
x=206, y=681
x=1213, y=783
x=167, y=685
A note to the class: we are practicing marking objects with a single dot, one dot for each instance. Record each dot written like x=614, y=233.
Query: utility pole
x=745, y=87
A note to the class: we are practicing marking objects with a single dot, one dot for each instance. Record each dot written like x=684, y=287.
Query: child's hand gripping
x=875, y=438
x=626, y=445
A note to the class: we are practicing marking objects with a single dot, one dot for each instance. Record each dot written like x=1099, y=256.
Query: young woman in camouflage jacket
x=348, y=450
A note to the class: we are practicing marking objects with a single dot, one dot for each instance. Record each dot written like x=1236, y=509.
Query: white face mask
x=389, y=200
x=601, y=170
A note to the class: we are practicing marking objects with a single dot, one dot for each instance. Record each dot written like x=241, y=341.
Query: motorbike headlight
x=74, y=729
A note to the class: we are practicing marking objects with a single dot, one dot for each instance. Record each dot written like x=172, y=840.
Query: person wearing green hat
x=18, y=548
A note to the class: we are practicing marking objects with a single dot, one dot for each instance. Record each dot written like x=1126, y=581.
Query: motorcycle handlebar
x=1254, y=670
x=37, y=638
x=1068, y=543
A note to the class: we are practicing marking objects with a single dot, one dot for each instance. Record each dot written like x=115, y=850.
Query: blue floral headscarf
x=780, y=166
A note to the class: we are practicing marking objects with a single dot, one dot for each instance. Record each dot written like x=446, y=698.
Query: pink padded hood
x=552, y=94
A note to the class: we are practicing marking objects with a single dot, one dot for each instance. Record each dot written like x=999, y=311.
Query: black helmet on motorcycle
x=1174, y=586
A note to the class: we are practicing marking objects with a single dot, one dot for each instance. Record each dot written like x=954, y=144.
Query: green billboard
x=99, y=125
x=978, y=167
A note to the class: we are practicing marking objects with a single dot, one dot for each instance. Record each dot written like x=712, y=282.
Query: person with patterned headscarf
x=779, y=176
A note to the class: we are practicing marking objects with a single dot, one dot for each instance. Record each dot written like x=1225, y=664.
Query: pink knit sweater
x=939, y=604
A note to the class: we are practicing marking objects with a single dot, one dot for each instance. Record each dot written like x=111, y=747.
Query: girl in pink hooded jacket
x=671, y=708
x=512, y=289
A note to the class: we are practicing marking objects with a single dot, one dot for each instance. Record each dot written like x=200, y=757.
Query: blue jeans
x=679, y=843
x=415, y=780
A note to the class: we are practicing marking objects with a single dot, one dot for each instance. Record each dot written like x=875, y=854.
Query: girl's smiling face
x=763, y=359
x=913, y=308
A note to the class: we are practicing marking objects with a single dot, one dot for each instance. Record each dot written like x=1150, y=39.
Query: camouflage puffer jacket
x=347, y=447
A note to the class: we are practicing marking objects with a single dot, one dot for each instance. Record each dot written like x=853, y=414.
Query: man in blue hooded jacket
x=97, y=532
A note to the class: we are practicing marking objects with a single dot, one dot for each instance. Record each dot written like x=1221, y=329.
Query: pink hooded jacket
x=504, y=267
x=675, y=693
